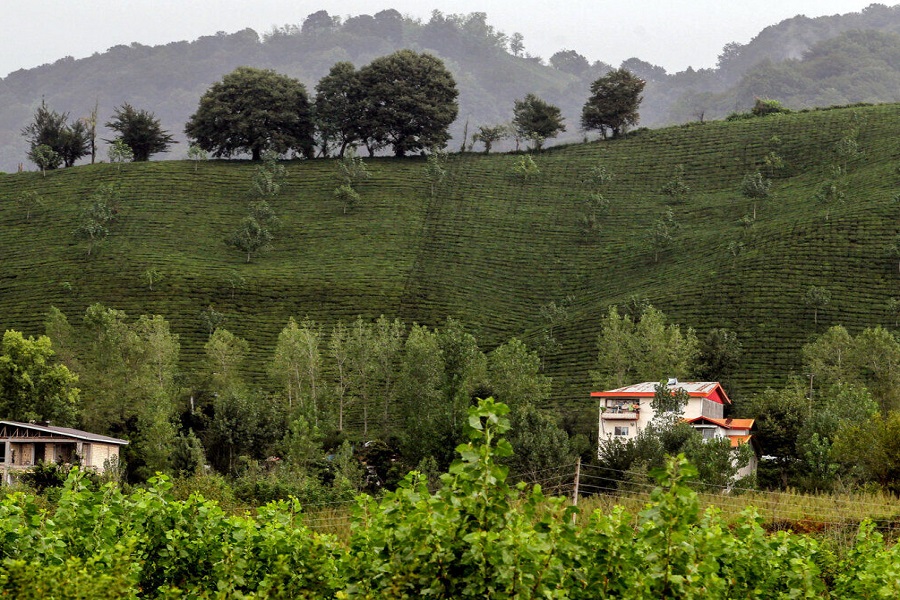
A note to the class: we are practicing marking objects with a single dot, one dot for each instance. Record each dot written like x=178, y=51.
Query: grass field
x=489, y=248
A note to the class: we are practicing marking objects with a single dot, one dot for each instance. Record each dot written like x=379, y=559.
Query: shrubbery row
x=475, y=537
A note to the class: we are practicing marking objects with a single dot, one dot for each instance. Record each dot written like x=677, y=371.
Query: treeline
x=364, y=402
x=405, y=101
x=475, y=537
x=493, y=68
x=391, y=395
x=174, y=76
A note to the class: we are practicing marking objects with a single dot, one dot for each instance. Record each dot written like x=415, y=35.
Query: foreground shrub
x=477, y=537
x=474, y=538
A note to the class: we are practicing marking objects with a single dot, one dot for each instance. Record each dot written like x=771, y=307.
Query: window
x=620, y=431
x=708, y=433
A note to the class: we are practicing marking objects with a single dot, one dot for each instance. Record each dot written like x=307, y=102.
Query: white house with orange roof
x=626, y=411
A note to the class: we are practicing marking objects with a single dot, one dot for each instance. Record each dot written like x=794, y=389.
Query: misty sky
x=671, y=33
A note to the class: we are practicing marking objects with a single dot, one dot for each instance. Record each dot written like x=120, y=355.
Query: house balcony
x=614, y=413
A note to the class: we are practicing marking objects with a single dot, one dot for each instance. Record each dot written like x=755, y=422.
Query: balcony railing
x=621, y=413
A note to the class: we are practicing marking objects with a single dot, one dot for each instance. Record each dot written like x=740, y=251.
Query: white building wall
x=694, y=408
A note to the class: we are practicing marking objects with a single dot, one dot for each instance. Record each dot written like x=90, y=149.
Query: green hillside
x=489, y=249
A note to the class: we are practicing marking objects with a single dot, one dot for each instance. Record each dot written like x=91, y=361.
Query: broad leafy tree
x=319, y=22
x=779, y=416
x=661, y=234
x=515, y=375
x=256, y=231
x=96, y=218
x=128, y=378
x=488, y=134
x=541, y=448
x=536, y=120
x=871, y=449
x=33, y=385
x=269, y=177
x=517, y=44
x=30, y=202
x=676, y=189
x=817, y=298
x=613, y=104
x=297, y=367
x=829, y=359
x=69, y=141
x=225, y=354
x=252, y=110
x=436, y=170
x=755, y=187
x=45, y=157
x=643, y=69
x=119, y=152
x=647, y=350
x=409, y=102
x=197, y=154
x=720, y=355
x=351, y=170
x=141, y=131
x=347, y=196
x=870, y=359
x=338, y=108
x=421, y=396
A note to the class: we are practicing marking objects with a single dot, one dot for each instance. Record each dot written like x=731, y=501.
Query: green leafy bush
x=476, y=537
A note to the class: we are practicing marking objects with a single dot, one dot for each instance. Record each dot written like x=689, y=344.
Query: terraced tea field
x=489, y=248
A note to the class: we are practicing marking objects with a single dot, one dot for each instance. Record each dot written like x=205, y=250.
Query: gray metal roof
x=69, y=432
x=649, y=387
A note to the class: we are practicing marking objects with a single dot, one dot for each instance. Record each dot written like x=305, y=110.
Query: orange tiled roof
x=738, y=440
x=726, y=423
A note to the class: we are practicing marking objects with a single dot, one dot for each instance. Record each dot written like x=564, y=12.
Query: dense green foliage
x=475, y=537
x=52, y=140
x=535, y=120
x=337, y=108
x=643, y=348
x=33, y=385
x=408, y=102
x=139, y=130
x=253, y=110
x=613, y=104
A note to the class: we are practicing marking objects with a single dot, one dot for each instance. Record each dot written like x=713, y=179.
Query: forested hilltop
x=801, y=62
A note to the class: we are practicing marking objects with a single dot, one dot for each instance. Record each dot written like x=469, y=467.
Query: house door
x=86, y=455
x=39, y=451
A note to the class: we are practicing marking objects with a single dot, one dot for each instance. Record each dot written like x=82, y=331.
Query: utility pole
x=575, y=491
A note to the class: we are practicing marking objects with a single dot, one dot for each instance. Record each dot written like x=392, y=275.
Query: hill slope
x=489, y=248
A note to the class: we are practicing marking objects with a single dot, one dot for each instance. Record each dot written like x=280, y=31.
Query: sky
x=674, y=34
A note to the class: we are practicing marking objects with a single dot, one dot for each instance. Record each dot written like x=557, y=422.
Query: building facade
x=23, y=445
x=626, y=411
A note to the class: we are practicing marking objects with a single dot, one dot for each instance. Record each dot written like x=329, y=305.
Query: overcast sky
x=672, y=33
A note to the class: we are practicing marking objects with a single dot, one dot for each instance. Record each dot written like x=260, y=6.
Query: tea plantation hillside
x=490, y=248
